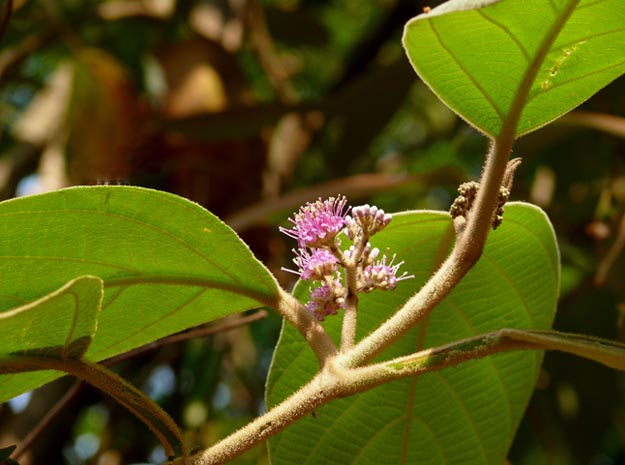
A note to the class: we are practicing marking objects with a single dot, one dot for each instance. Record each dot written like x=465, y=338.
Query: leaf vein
x=463, y=406
x=507, y=31
x=467, y=74
x=152, y=323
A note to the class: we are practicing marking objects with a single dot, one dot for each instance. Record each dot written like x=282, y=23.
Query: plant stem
x=606, y=352
x=465, y=254
x=350, y=312
x=336, y=381
x=471, y=242
x=437, y=358
x=350, y=318
x=322, y=388
x=314, y=333
x=159, y=422
x=45, y=421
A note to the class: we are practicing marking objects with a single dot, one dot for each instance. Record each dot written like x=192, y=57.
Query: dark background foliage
x=251, y=108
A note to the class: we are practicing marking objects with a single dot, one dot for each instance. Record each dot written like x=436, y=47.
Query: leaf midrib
x=446, y=240
x=520, y=98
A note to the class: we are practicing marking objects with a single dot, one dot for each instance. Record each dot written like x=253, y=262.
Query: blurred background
x=251, y=108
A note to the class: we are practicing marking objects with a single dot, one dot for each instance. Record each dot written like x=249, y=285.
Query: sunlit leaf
x=167, y=264
x=487, y=59
x=462, y=415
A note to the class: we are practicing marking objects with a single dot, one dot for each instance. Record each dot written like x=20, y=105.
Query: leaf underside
x=476, y=59
x=167, y=264
x=59, y=325
x=462, y=415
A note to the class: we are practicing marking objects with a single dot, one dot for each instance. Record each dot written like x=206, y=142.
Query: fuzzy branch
x=335, y=380
x=346, y=373
x=314, y=333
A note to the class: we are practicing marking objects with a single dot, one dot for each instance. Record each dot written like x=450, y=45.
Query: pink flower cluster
x=317, y=224
x=316, y=227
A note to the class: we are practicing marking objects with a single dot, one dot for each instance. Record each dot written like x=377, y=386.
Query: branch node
x=467, y=195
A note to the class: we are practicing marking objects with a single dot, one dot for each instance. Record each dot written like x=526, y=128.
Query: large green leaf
x=488, y=58
x=462, y=415
x=167, y=264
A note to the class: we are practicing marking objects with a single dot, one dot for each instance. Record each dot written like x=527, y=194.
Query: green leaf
x=59, y=325
x=167, y=264
x=463, y=415
x=491, y=59
x=604, y=351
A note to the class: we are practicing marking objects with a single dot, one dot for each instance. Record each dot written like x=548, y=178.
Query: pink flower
x=366, y=220
x=317, y=224
x=382, y=276
x=326, y=300
x=316, y=227
x=314, y=265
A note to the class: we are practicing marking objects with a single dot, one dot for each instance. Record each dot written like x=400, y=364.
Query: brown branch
x=187, y=335
x=6, y=17
x=47, y=419
x=610, y=124
x=60, y=404
x=617, y=247
x=265, y=50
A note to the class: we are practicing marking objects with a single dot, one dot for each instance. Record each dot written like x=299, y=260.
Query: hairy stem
x=350, y=313
x=350, y=318
x=606, y=352
x=465, y=254
x=318, y=391
x=470, y=244
x=314, y=333
x=336, y=380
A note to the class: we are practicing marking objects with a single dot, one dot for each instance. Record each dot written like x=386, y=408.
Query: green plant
x=134, y=265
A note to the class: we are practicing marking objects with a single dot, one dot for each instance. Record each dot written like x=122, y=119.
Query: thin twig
x=12, y=57
x=187, y=335
x=617, y=247
x=34, y=434
x=610, y=124
x=47, y=419
x=4, y=23
x=265, y=49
